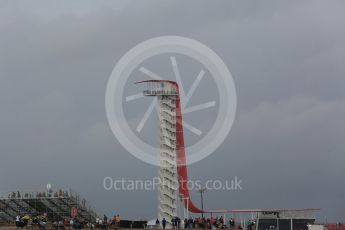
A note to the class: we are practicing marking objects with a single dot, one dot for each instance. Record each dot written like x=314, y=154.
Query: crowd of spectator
x=41, y=222
x=106, y=223
x=33, y=222
x=208, y=223
x=198, y=223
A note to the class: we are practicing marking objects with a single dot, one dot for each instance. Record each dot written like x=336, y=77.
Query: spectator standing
x=117, y=220
x=17, y=221
x=164, y=223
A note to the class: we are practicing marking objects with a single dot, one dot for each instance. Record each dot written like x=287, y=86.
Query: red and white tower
x=166, y=93
x=172, y=158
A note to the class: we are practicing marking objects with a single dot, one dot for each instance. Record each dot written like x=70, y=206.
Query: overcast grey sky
x=287, y=59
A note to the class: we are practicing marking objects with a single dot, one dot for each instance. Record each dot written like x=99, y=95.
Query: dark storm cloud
x=287, y=60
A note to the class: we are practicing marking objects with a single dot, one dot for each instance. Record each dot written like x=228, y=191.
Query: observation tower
x=173, y=170
x=166, y=94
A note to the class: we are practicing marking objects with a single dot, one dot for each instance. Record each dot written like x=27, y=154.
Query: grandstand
x=56, y=205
